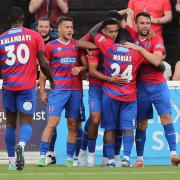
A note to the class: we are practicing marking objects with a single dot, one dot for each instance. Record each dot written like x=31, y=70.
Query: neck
x=142, y=38
x=63, y=40
x=46, y=38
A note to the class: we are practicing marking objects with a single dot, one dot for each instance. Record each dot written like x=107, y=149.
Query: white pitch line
x=88, y=173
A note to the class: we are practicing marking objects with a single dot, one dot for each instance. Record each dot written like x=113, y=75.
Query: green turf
x=31, y=172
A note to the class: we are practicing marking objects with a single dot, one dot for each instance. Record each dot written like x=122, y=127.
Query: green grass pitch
x=57, y=172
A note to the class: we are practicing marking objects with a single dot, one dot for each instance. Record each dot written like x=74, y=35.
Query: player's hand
x=130, y=12
x=52, y=84
x=44, y=98
x=118, y=80
x=37, y=84
x=154, y=20
x=76, y=70
x=132, y=46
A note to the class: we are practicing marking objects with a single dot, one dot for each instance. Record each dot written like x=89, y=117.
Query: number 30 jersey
x=18, y=53
x=123, y=61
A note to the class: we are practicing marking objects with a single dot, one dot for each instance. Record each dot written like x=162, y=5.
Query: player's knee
x=142, y=125
x=166, y=119
x=94, y=122
x=95, y=119
x=52, y=124
x=72, y=125
x=109, y=136
x=128, y=132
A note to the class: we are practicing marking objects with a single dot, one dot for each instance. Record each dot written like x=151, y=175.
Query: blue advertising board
x=156, y=148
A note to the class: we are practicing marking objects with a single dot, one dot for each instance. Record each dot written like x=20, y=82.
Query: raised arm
x=63, y=6
x=34, y=5
x=178, y=6
x=167, y=17
x=94, y=31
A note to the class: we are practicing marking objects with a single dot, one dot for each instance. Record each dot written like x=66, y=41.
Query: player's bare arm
x=35, y=5
x=94, y=31
x=177, y=6
x=63, y=6
x=45, y=68
x=83, y=44
x=163, y=20
x=42, y=80
x=82, y=68
x=93, y=72
x=154, y=58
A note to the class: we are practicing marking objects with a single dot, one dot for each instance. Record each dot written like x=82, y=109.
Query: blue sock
x=25, y=133
x=44, y=147
x=91, y=146
x=78, y=141
x=140, y=142
x=104, y=152
x=118, y=142
x=10, y=139
x=128, y=141
x=70, y=149
x=170, y=136
x=109, y=149
x=84, y=140
x=53, y=141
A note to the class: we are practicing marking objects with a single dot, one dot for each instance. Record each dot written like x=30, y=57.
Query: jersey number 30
x=22, y=54
x=127, y=73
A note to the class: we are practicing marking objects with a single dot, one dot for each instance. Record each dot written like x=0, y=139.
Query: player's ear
x=103, y=31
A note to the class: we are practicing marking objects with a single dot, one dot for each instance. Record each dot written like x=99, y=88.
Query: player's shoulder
x=74, y=41
x=4, y=33
x=29, y=30
x=53, y=43
x=87, y=37
x=157, y=38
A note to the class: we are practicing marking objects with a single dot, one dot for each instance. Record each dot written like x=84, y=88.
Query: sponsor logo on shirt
x=59, y=49
x=159, y=45
x=68, y=60
x=147, y=45
x=102, y=38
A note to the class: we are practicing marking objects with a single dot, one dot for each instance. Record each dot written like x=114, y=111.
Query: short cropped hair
x=62, y=19
x=15, y=15
x=109, y=21
x=144, y=14
x=44, y=18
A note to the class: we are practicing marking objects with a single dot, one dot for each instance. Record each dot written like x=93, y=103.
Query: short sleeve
x=103, y=43
x=167, y=5
x=48, y=51
x=94, y=57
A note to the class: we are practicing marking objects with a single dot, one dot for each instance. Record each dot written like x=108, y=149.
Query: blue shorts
x=82, y=116
x=69, y=100
x=22, y=101
x=118, y=115
x=157, y=95
x=95, y=98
